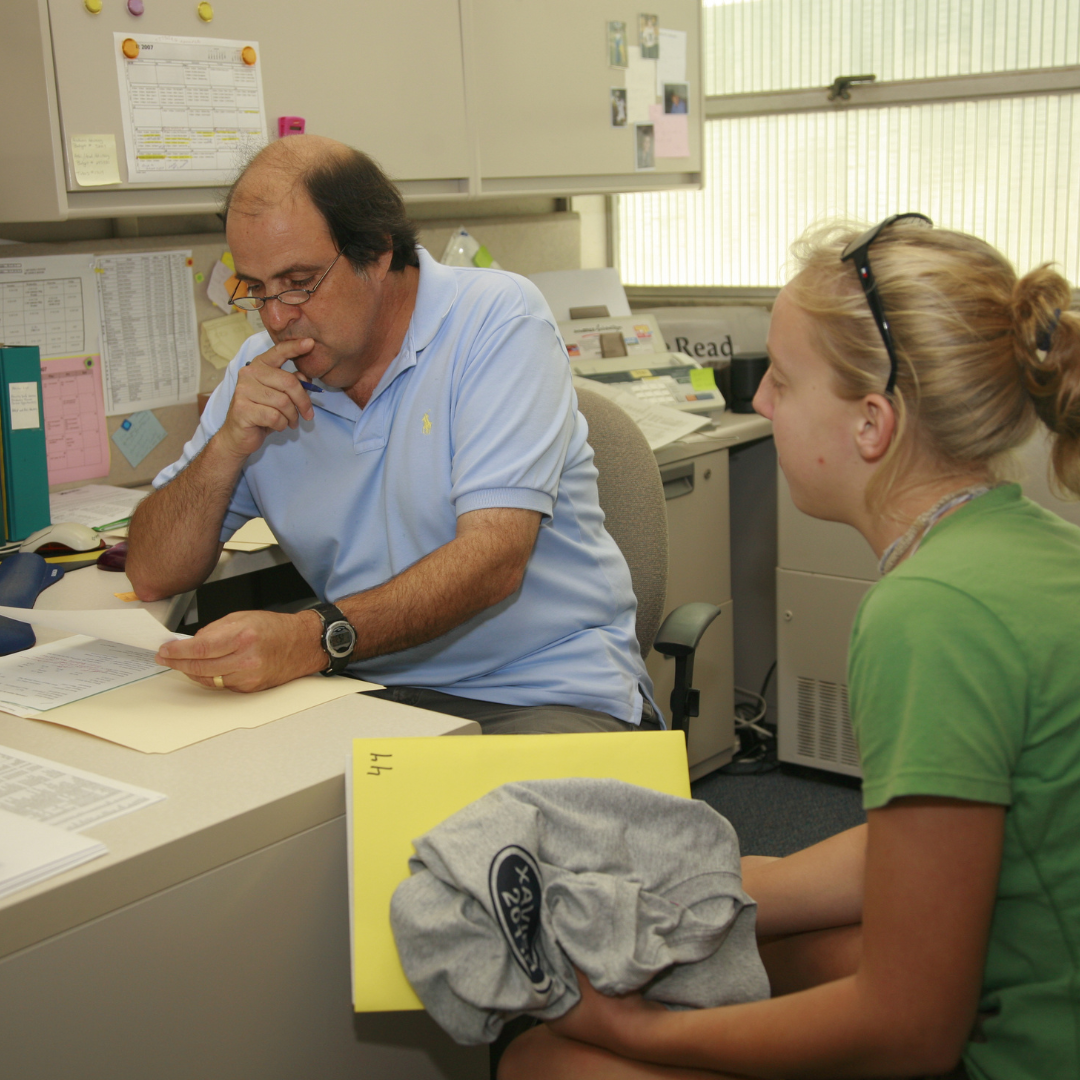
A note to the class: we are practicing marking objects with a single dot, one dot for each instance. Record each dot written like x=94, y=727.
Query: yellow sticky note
x=409, y=785
x=220, y=339
x=127, y=597
x=703, y=378
x=227, y=259
x=94, y=159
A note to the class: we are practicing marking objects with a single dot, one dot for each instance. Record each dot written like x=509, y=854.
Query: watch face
x=340, y=639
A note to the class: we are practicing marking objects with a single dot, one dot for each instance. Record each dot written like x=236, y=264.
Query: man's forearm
x=173, y=542
x=479, y=568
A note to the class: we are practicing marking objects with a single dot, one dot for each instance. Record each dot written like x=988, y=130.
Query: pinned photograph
x=618, y=107
x=616, y=44
x=644, y=146
x=676, y=98
x=649, y=36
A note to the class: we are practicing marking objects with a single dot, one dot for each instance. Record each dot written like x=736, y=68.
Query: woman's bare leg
x=799, y=961
x=815, y=889
x=809, y=911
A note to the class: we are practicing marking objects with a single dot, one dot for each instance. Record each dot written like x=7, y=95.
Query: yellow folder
x=401, y=788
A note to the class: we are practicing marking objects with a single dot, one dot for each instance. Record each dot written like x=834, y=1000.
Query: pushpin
x=93, y=6
x=206, y=11
x=130, y=48
x=247, y=54
x=126, y=425
x=135, y=7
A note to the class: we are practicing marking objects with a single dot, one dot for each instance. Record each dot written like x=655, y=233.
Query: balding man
x=410, y=433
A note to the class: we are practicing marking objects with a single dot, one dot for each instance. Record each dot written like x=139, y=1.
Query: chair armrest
x=681, y=631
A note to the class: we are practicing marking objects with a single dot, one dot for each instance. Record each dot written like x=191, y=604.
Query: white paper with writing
x=47, y=676
x=23, y=402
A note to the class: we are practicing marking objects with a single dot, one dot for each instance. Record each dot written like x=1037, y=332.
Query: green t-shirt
x=964, y=680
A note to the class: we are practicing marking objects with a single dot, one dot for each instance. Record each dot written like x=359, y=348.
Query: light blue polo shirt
x=477, y=410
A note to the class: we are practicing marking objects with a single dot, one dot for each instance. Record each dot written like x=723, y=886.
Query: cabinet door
x=699, y=569
x=385, y=78
x=539, y=93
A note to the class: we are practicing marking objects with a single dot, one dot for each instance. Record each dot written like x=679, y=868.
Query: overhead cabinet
x=454, y=98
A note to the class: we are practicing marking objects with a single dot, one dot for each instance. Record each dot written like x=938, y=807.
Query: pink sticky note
x=76, y=437
x=671, y=133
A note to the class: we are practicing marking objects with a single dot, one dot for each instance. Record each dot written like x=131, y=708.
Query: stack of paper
x=43, y=807
x=31, y=851
x=96, y=505
x=660, y=424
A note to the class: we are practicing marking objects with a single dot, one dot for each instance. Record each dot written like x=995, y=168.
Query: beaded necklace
x=909, y=543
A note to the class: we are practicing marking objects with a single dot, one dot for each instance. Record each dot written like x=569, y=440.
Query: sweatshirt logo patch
x=516, y=888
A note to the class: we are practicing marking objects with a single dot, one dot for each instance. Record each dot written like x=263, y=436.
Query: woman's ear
x=876, y=427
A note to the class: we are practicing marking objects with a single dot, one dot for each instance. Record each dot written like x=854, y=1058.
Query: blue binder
x=24, y=476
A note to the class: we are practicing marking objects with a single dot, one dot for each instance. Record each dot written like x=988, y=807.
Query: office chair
x=632, y=498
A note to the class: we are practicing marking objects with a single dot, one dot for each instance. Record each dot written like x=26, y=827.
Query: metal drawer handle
x=678, y=480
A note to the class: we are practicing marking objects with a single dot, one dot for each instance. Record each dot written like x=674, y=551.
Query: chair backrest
x=632, y=498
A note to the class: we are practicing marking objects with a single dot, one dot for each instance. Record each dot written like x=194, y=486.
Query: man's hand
x=266, y=399
x=250, y=650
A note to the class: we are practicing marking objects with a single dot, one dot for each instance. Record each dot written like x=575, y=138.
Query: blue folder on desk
x=23, y=577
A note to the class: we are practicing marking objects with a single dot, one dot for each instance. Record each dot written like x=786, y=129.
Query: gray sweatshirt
x=635, y=888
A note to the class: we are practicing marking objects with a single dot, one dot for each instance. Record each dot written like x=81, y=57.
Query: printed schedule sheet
x=150, y=340
x=192, y=106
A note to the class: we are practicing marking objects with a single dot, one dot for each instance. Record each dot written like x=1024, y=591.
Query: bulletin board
x=348, y=68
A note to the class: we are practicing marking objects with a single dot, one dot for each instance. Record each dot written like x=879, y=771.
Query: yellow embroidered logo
x=427, y=424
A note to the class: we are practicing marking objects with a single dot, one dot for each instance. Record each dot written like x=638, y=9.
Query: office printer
x=629, y=350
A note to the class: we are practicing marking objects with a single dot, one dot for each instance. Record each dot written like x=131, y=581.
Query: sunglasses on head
x=858, y=251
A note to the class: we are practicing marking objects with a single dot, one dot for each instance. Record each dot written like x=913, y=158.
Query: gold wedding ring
x=219, y=681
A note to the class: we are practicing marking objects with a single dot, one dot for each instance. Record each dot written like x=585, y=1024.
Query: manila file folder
x=401, y=788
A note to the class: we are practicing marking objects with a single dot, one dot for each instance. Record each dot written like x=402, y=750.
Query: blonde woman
x=906, y=362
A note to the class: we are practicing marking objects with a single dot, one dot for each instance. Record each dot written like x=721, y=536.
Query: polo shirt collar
x=435, y=297
x=436, y=293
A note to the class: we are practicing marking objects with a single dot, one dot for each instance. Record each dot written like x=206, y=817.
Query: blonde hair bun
x=973, y=376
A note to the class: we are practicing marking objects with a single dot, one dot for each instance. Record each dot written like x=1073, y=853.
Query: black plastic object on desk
x=747, y=371
x=23, y=577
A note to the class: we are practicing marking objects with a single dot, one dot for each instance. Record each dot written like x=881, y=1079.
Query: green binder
x=24, y=476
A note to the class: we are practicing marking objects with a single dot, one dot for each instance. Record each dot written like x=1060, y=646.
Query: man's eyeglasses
x=293, y=297
x=859, y=252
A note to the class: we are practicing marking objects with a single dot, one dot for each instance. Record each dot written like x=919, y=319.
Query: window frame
x=1032, y=82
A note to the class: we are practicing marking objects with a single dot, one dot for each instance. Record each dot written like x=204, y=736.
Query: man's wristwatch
x=338, y=638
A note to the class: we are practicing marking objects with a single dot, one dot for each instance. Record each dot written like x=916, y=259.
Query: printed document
x=96, y=505
x=49, y=301
x=659, y=424
x=192, y=107
x=70, y=799
x=149, y=337
x=48, y=676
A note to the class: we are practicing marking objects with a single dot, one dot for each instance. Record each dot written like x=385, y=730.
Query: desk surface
x=226, y=797
x=729, y=429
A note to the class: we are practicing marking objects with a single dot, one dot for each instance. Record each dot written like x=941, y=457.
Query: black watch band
x=338, y=638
